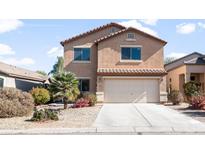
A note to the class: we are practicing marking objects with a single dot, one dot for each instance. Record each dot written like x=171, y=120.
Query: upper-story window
x=130, y=35
x=81, y=54
x=131, y=53
x=1, y=82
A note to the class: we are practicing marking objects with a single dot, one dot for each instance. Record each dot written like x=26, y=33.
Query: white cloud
x=9, y=25
x=138, y=25
x=151, y=22
x=186, y=28
x=6, y=50
x=176, y=54
x=18, y=62
x=7, y=56
x=55, y=51
x=202, y=25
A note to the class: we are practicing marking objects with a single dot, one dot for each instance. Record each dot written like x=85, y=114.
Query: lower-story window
x=84, y=85
x=1, y=83
x=192, y=78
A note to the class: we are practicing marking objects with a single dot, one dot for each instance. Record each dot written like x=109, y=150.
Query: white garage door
x=131, y=90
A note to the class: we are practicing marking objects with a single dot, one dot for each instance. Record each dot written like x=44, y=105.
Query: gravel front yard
x=70, y=118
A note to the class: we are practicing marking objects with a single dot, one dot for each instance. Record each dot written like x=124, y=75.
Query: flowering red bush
x=81, y=103
x=198, y=102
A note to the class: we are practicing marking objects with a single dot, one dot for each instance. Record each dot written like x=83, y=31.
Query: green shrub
x=90, y=97
x=191, y=89
x=40, y=95
x=176, y=97
x=14, y=102
x=44, y=115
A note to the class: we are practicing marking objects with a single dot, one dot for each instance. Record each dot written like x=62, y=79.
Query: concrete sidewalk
x=104, y=130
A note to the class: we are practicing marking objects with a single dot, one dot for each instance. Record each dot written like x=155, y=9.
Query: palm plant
x=65, y=86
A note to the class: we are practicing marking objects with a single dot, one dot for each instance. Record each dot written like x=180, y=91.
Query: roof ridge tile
x=91, y=31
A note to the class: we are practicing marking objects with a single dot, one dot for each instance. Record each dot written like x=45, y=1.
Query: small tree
x=40, y=95
x=169, y=60
x=65, y=86
x=191, y=89
x=41, y=72
x=176, y=97
x=58, y=67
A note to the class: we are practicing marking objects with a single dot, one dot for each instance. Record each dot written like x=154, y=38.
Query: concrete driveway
x=145, y=118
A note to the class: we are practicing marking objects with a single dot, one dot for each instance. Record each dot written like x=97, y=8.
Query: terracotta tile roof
x=22, y=73
x=124, y=30
x=110, y=35
x=131, y=71
x=91, y=31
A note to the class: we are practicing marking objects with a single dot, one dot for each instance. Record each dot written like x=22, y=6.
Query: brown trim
x=1, y=72
x=91, y=31
x=176, y=67
x=26, y=78
x=22, y=77
x=131, y=74
x=194, y=64
x=184, y=64
x=130, y=28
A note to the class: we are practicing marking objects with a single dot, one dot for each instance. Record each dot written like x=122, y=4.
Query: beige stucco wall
x=174, y=76
x=85, y=70
x=109, y=52
x=109, y=55
x=8, y=81
x=163, y=84
x=195, y=68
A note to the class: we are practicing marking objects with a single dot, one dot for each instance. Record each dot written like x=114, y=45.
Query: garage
x=133, y=90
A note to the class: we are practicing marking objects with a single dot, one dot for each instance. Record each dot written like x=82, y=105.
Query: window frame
x=81, y=61
x=80, y=84
x=112, y=30
x=130, y=60
x=131, y=39
x=192, y=78
x=131, y=34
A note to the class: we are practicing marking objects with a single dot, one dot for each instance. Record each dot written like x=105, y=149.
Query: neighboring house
x=118, y=64
x=12, y=76
x=185, y=69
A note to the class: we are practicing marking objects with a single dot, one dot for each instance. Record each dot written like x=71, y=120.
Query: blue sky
x=34, y=44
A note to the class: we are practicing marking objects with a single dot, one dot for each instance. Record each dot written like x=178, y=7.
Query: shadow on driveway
x=195, y=113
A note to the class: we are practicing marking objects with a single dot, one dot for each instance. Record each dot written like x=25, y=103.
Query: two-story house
x=119, y=64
